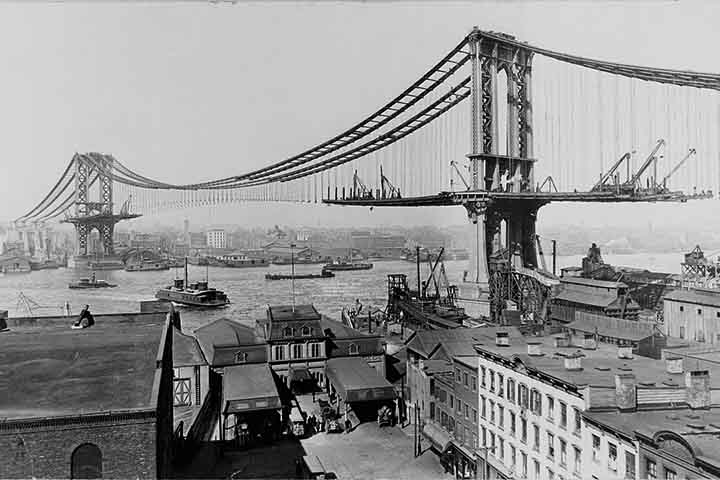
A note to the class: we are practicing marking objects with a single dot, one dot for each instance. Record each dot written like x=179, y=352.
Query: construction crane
x=690, y=153
x=360, y=190
x=453, y=164
x=651, y=159
x=388, y=189
x=540, y=253
x=600, y=185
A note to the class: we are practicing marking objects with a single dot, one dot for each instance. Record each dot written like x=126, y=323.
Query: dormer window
x=287, y=332
x=305, y=331
x=353, y=349
x=241, y=357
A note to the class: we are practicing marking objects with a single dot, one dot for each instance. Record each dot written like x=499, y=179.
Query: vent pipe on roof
x=573, y=361
x=673, y=364
x=589, y=341
x=625, y=351
x=534, y=348
x=625, y=391
x=697, y=388
x=502, y=339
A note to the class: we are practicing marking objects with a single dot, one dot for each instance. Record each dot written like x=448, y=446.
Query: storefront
x=251, y=405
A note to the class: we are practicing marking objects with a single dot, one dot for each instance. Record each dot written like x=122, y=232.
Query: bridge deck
x=456, y=198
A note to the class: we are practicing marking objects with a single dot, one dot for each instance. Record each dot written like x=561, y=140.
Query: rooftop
x=225, y=332
x=285, y=313
x=612, y=327
x=459, y=341
x=186, y=350
x=699, y=297
x=699, y=429
x=599, y=366
x=596, y=299
x=54, y=370
x=591, y=282
x=243, y=382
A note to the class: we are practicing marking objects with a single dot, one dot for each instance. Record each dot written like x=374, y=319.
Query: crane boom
x=610, y=172
x=647, y=162
x=454, y=165
x=690, y=153
x=540, y=253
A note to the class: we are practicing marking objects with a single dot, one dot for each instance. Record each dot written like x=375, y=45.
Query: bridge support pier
x=474, y=289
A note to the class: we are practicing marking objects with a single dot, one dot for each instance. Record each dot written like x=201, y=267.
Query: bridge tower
x=94, y=215
x=486, y=283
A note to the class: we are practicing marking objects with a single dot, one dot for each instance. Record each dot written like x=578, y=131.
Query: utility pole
x=292, y=268
x=417, y=255
x=415, y=434
x=554, y=255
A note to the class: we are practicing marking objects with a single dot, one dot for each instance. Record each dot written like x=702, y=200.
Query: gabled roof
x=591, y=282
x=186, y=350
x=634, y=330
x=459, y=341
x=602, y=300
x=700, y=297
x=225, y=332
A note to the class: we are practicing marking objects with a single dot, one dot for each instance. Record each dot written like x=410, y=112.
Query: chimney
x=625, y=351
x=697, y=388
x=561, y=341
x=534, y=348
x=625, y=391
x=573, y=361
x=673, y=364
x=421, y=364
x=502, y=339
x=589, y=342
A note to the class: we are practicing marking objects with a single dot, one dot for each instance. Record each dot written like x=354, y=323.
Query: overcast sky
x=186, y=92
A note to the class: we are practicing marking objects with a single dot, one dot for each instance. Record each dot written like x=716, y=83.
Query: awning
x=298, y=374
x=439, y=437
x=249, y=388
x=356, y=381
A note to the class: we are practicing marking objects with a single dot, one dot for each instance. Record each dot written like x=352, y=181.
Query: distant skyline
x=191, y=91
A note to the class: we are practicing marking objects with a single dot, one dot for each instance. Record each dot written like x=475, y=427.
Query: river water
x=247, y=288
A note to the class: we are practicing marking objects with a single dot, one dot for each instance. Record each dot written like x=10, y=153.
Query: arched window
x=353, y=349
x=305, y=331
x=86, y=462
x=287, y=332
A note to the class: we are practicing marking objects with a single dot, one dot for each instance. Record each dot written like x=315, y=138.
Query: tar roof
x=599, y=366
x=355, y=374
x=699, y=297
x=243, y=382
x=699, y=428
x=186, y=350
x=612, y=327
x=591, y=282
x=459, y=341
x=225, y=332
x=284, y=313
x=56, y=371
x=595, y=299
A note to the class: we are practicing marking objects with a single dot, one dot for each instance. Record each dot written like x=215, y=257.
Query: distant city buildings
x=216, y=238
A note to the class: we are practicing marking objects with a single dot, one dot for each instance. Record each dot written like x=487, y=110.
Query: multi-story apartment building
x=216, y=238
x=532, y=395
x=693, y=315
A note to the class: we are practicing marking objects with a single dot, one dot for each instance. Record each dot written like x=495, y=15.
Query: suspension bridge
x=498, y=126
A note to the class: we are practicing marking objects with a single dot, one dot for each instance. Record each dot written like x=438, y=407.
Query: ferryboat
x=196, y=294
x=147, y=265
x=85, y=283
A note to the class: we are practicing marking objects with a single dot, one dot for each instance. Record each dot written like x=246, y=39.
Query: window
x=563, y=415
x=474, y=440
x=182, y=392
x=482, y=407
x=717, y=314
x=523, y=464
x=279, y=352
x=512, y=423
x=297, y=350
x=492, y=380
x=353, y=349
x=523, y=430
x=535, y=402
x=492, y=411
x=482, y=377
x=501, y=448
x=629, y=465
x=467, y=411
x=314, y=349
x=550, y=474
x=511, y=390
x=651, y=468
x=563, y=452
x=484, y=437
x=287, y=332
x=452, y=401
x=596, y=448
x=612, y=456
x=550, y=408
x=474, y=383
x=536, y=469
x=501, y=385
x=513, y=455
x=682, y=308
x=458, y=376
x=699, y=311
x=682, y=332
x=578, y=422
x=670, y=474
x=551, y=445
x=492, y=443
x=458, y=405
x=577, y=459
x=466, y=380
x=475, y=419
x=241, y=357
x=523, y=394
x=536, y=438
x=501, y=416
x=86, y=462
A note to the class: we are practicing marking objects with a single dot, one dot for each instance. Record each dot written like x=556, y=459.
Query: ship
x=196, y=294
x=43, y=264
x=147, y=265
x=85, y=283
x=279, y=276
x=347, y=266
x=239, y=260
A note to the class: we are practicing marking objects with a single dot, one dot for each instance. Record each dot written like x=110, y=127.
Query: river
x=247, y=288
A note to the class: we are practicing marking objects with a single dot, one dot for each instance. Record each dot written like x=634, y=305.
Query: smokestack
x=625, y=391
x=697, y=387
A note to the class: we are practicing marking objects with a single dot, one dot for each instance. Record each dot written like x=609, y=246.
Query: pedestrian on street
x=348, y=425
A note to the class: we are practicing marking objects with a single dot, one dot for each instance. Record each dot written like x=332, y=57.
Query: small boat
x=147, y=265
x=279, y=276
x=91, y=283
x=44, y=265
x=346, y=266
x=196, y=294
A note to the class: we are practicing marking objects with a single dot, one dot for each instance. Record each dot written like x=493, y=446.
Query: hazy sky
x=185, y=92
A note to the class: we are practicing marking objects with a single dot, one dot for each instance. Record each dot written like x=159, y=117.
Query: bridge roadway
x=458, y=198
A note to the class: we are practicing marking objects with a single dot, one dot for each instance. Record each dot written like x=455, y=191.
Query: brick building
x=87, y=404
x=693, y=315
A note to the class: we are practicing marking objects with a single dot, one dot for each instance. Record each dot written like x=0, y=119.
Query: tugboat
x=344, y=266
x=279, y=276
x=194, y=294
x=91, y=283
